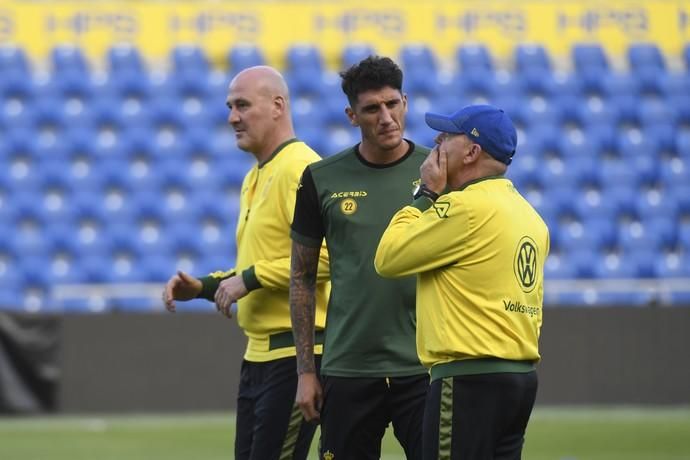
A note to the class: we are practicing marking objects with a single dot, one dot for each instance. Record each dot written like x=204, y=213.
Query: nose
x=439, y=138
x=386, y=117
x=233, y=117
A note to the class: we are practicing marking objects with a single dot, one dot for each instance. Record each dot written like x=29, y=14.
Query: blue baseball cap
x=486, y=125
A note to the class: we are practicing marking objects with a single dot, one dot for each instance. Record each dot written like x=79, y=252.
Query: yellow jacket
x=267, y=205
x=479, y=254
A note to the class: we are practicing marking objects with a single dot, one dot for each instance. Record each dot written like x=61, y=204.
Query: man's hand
x=228, y=292
x=434, y=170
x=309, y=396
x=180, y=286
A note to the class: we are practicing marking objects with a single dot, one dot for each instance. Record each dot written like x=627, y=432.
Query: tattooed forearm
x=303, y=267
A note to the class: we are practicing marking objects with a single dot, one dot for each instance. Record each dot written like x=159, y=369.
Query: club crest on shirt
x=328, y=455
x=348, y=206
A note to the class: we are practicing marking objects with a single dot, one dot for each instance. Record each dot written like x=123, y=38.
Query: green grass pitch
x=553, y=434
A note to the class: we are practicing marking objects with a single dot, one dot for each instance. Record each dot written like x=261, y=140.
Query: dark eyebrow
x=370, y=107
x=386, y=102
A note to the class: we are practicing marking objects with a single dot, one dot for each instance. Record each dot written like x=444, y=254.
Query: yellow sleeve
x=417, y=241
x=275, y=274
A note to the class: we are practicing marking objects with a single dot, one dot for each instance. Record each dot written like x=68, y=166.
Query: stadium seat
x=189, y=59
x=531, y=58
x=584, y=261
x=657, y=203
x=592, y=234
x=557, y=268
x=125, y=59
x=639, y=235
x=352, y=54
x=13, y=60
x=654, y=113
x=645, y=56
x=243, y=56
x=474, y=58
x=589, y=58
x=68, y=59
x=617, y=85
x=477, y=87
x=421, y=70
x=651, y=85
x=16, y=92
x=303, y=58
x=672, y=265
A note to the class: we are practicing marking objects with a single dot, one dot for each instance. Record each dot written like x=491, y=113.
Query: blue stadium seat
x=639, y=235
x=68, y=59
x=673, y=265
x=584, y=261
x=189, y=59
x=157, y=267
x=623, y=198
x=531, y=58
x=13, y=60
x=28, y=225
x=651, y=84
x=654, y=113
x=675, y=171
x=617, y=171
x=419, y=64
x=616, y=85
x=243, y=56
x=353, y=54
x=474, y=58
x=477, y=87
x=17, y=93
x=656, y=203
x=304, y=58
x=675, y=85
x=125, y=59
x=591, y=234
x=645, y=56
x=614, y=266
x=536, y=84
x=589, y=58
x=556, y=268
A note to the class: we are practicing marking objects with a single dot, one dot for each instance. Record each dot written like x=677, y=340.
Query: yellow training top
x=479, y=253
x=267, y=204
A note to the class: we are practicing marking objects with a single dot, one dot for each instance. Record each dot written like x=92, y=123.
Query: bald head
x=260, y=110
x=264, y=80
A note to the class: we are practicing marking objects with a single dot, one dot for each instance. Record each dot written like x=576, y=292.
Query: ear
x=404, y=101
x=279, y=105
x=351, y=116
x=473, y=155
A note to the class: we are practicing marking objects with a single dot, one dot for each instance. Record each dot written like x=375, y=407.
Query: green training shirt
x=370, y=322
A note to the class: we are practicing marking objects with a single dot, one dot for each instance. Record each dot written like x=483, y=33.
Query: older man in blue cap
x=478, y=248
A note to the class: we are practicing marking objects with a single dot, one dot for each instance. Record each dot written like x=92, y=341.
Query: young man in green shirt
x=371, y=374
